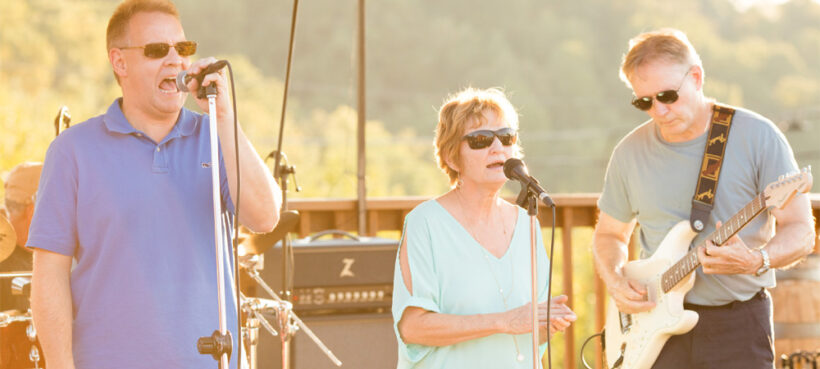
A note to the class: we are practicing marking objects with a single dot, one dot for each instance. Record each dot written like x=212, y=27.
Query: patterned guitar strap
x=704, y=199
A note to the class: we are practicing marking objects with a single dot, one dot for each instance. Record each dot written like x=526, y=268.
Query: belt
x=760, y=295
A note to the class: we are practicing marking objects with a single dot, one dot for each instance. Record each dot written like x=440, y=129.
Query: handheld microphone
x=516, y=170
x=183, y=77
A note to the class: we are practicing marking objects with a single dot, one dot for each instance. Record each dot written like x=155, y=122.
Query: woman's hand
x=519, y=320
x=561, y=316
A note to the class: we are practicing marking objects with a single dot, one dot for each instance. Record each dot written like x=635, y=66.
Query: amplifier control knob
x=318, y=296
x=348, y=296
x=356, y=296
x=380, y=295
x=331, y=297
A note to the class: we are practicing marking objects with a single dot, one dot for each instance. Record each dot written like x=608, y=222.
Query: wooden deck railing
x=387, y=214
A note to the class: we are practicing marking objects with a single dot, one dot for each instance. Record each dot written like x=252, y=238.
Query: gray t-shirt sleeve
x=774, y=156
x=614, y=199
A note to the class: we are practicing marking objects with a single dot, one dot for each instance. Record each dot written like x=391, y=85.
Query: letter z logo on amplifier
x=346, y=270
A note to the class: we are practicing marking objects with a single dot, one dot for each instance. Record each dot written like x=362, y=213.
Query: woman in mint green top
x=462, y=282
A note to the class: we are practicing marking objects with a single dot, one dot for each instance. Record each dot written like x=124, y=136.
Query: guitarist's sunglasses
x=484, y=138
x=158, y=50
x=666, y=97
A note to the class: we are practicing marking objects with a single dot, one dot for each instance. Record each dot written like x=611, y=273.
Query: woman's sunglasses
x=666, y=97
x=484, y=138
x=156, y=50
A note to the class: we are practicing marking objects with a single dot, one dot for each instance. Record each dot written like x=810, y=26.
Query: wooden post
x=360, y=137
x=566, y=241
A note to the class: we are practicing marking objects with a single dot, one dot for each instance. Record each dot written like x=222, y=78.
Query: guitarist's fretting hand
x=630, y=296
x=733, y=257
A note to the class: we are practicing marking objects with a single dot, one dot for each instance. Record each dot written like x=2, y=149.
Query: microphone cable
x=235, y=246
x=549, y=290
x=583, y=359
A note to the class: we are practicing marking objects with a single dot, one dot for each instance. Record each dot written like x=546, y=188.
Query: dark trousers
x=737, y=335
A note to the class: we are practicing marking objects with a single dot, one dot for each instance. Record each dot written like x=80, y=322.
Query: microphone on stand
x=183, y=77
x=63, y=119
x=515, y=169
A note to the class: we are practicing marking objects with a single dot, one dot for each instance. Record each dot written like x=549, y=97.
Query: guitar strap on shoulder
x=704, y=199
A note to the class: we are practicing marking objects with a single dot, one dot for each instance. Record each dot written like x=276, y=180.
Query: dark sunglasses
x=156, y=50
x=666, y=97
x=484, y=138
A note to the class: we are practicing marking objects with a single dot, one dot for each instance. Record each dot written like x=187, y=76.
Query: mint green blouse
x=453, y=274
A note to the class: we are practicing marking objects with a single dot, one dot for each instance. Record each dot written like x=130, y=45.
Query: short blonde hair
x=117, y=29
x=666, y=44
x=465, y=110
x=118, y=23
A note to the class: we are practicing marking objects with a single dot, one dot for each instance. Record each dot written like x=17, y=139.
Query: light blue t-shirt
x=654, y=181
x=454, y=274
x=137, y=217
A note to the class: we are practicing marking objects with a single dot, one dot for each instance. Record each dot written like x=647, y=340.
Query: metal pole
x=218, y=240
x=362, y=189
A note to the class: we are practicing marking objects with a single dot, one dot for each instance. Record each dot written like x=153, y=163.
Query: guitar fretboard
x=688, y=263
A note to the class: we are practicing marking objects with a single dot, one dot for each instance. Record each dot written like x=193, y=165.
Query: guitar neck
x=688, y=263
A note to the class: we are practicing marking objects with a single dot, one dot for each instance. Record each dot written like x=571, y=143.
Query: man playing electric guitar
x=651, y=181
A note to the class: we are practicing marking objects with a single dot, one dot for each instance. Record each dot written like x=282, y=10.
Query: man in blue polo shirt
x=127, y=196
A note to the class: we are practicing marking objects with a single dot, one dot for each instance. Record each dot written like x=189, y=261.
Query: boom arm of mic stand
x=255, y=275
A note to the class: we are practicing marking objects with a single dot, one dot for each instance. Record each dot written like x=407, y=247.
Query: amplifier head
x=334, y=262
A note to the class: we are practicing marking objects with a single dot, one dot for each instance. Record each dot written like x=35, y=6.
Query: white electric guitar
x=633, y=341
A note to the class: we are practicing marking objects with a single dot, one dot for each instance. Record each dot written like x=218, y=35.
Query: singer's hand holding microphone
x=202, y=73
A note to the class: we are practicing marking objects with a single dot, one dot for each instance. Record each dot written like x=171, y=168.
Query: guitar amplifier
x=336, y=275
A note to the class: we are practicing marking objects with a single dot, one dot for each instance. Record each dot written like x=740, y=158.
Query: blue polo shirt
x=137, y=217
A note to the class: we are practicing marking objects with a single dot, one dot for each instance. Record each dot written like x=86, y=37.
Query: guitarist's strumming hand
x=733, y=257
x=630, y=296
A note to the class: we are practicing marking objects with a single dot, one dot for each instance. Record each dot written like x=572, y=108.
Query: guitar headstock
x=780, y=192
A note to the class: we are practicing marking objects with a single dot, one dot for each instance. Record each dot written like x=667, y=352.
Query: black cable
x=549, y=289
x=584, y=360
x=235, y=246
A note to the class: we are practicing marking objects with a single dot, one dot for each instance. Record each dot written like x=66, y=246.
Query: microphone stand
x=528, y=199
x=63, y=118
x=219, y=344
x=289, y=322
x=278, y=173
x=282, y=171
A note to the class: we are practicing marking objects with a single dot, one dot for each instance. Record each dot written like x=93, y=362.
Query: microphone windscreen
x=512, y=165
x=181, y=81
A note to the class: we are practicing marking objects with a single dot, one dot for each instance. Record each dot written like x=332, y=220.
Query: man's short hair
x=666, y=44
x=118, y=24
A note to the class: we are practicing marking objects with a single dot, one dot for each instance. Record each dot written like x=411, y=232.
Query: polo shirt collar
x=115, y=121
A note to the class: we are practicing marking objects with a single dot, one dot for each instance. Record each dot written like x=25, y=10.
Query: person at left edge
x=127, y=195
x=19, y=199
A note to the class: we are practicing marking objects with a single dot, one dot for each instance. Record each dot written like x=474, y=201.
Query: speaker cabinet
x=360, y=341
